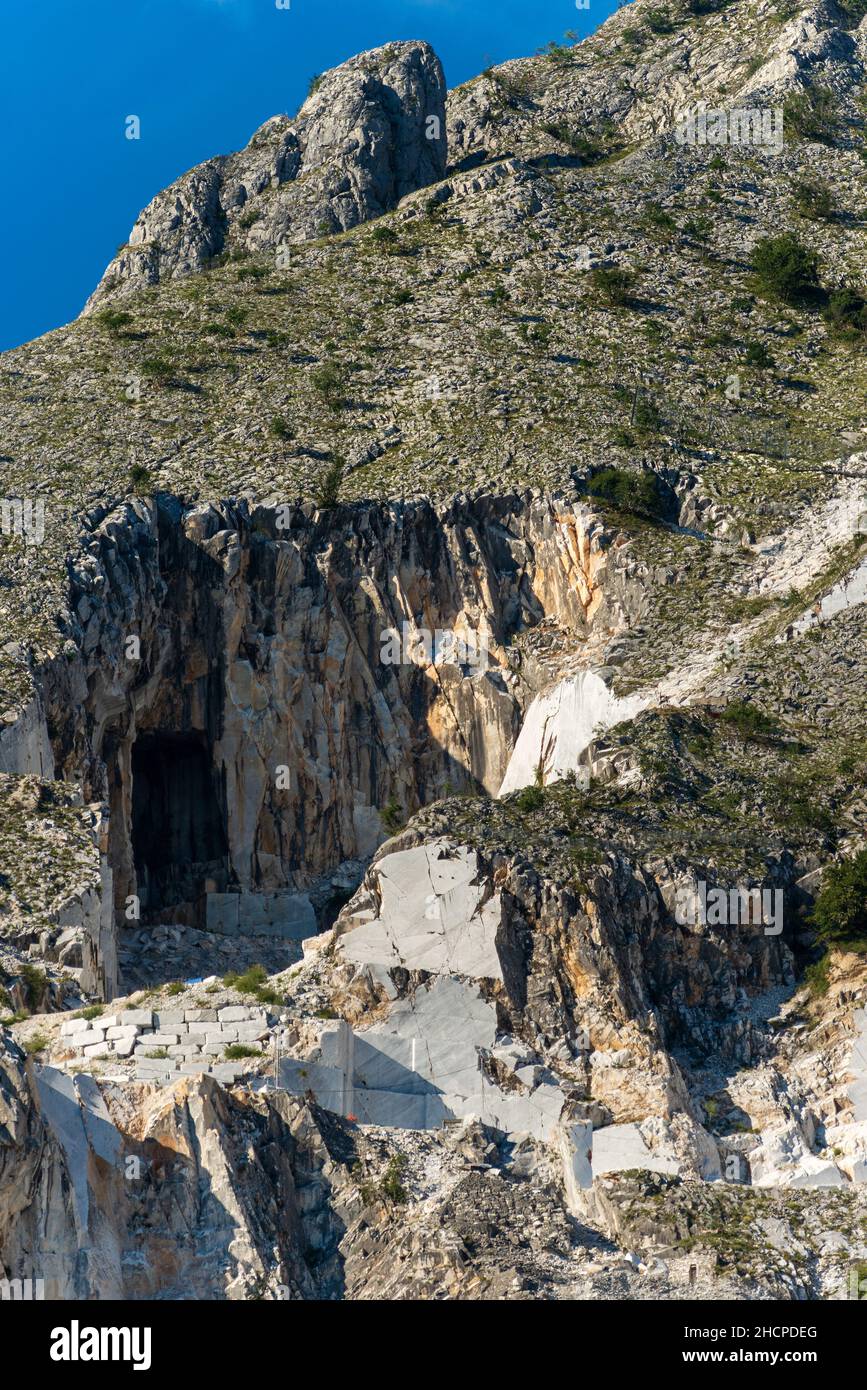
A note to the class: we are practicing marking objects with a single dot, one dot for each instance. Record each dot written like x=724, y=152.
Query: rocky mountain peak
x=370, y=132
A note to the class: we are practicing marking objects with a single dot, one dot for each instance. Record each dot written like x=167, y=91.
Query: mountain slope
x=525, y=365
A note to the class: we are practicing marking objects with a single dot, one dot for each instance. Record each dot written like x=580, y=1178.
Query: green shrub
x=392, y=816
x=35, y=985
x=645, y=416
x=698, y=227
x=749, y=721
x=785, y=269
x=656, y=218
x=757, y=355
x=391, y=1185
x=279, y=427
x=386, y=238
x=267, y=995
x=315, y=83
x=559, y=52
x=218, y=330
x=236, y=1051
x=846, y=313
x=326, y=493
x=812, y=114
x=817, y=976
x=591, y=149
x=114, y=319
x=158, y=369
x=37, y=1043
x=630, y=492
x=659, y=21
x=91, y=1012
x=635, y=38
x=252, y=981
x=176, y=987
x=249, y=982
x=329, y=382
x=140, y=479
x=530, y=799
x=538, y=335
x=813, y=199
x=840, y=911
x=612, y=283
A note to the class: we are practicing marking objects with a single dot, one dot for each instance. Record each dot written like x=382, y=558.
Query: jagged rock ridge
x=372, y=131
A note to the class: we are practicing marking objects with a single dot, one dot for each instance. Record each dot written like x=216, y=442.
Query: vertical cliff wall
x=258, y=695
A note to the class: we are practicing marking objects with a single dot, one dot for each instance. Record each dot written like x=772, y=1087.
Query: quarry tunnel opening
x=179, y=831
x=269, y=735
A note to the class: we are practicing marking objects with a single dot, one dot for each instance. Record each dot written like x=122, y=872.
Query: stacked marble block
x=194, y=1040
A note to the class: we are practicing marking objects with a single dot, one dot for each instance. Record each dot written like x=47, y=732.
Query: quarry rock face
x=412, y=632
x=372, y=131
x=223, y=1227
x=318, y=688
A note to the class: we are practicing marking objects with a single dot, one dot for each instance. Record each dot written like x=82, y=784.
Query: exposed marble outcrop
x=25, y=747
x=560, y=726
x=593, y=991
x=79, y=1168
x=216, y=676
x=290, y=657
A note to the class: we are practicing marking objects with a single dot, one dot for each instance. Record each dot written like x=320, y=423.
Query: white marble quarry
x=617, y=1148
x=856, y=1162
x=432, y=916
x=823, y=1175
x=848, y=593
x=74, y=1110
x=424, y=1065
x=565, y=718
x=783, y=1158
x=193, y=1040
x=575, y=1142
x=285, y=916
x=25, y=748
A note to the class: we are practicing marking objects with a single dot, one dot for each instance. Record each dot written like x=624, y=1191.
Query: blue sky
x=201, y=75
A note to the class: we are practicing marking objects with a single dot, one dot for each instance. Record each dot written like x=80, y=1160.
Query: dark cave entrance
x=179, y=840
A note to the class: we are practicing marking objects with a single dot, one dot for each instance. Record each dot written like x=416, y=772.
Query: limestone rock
x=371, y=132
